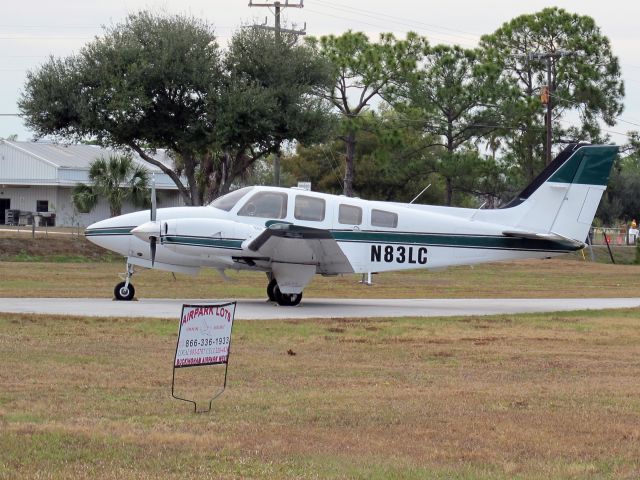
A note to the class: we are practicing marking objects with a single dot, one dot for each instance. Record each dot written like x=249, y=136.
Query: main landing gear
x=124, y=290
x=283, y=299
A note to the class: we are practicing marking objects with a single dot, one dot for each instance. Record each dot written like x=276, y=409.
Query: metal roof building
x=40, y=176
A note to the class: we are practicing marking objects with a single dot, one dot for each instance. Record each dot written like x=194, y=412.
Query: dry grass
x=534, y=396
x=531, y=278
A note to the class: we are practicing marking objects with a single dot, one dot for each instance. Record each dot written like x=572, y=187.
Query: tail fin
x=563, y=199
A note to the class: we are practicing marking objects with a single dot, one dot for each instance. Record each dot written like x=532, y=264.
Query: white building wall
x=25, y=179
x=19, y=167
x=60, y=203
x=25, y=198
x=67, y=216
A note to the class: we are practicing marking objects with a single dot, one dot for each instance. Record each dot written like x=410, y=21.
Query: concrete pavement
x=313, y=307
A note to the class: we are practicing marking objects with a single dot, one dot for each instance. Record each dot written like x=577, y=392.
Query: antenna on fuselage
x=479, y=208
x=418, y=196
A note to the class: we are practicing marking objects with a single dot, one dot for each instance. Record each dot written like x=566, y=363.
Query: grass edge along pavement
x=509, y=396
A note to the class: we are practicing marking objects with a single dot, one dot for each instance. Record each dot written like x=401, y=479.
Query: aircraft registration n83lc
x=292, y=234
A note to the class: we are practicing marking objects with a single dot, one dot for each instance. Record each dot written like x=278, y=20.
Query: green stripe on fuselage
x=454, y=241
x=225, y=243
x=108, y=231
x=357, y=236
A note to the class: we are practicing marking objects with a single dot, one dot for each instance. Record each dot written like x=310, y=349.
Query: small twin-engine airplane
x=292, y=234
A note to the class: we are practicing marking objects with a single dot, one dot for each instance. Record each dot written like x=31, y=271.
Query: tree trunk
x=530, y=167
x=223, y=174
x=186, y=196
x=449, y=191
x=450, y=151
x=206, y=169
x=190, y=173
x=350, y=141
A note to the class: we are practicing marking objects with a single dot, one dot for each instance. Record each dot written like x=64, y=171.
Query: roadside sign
x=204, y=338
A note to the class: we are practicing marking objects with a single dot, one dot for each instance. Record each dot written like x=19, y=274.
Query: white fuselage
x=401, y=237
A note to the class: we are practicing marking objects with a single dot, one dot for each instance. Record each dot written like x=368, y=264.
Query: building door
x=5, y=204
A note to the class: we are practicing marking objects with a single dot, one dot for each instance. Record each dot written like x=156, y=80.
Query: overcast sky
x=31, y=30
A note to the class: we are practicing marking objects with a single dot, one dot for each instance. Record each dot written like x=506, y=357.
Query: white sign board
x=205, y=335
x=304, y=185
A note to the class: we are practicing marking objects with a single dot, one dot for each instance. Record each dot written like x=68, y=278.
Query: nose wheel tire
x=124, y=292
x=287, y=299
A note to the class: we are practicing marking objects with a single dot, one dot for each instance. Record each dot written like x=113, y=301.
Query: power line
x=404, y=21
x=635, y=124
x=547, y=91
x=41, y=37
x=278, y=30
x=381, y=27
x=277, y=27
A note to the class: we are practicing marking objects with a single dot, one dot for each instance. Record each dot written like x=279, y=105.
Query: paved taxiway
x=313, y=307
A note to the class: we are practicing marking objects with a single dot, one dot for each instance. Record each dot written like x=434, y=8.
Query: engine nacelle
x=204, y=237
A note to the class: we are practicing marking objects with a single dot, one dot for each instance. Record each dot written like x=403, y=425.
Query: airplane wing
x=297, y=245
x=552, y=237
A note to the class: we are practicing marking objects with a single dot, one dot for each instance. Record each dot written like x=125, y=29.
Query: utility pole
x=278, y=29
x=546, y=94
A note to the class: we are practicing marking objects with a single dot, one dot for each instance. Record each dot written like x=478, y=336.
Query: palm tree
x=117, y=179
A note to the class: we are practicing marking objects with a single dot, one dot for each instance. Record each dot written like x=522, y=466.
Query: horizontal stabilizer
x=551, y=237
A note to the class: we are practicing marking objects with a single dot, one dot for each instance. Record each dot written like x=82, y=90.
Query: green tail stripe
x=587, y=166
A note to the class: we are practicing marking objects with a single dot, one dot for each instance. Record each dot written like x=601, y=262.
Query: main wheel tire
x=287, y=299
x=270, y=290
x=122, y=292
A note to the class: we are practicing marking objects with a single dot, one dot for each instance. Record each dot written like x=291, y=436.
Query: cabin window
x=228, y=201
x=380, y=218
x=265, y=205
x=42, y=205
x=309, y=208
x=349, y=215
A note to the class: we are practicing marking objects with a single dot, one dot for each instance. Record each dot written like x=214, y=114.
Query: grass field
x=70, y=266
x=529, y=396
x=532, y=278
x=535, y=396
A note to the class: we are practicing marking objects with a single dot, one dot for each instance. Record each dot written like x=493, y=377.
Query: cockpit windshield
x=228, y=201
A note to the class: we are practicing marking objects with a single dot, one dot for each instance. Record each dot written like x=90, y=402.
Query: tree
x=449, y=98
x=586, y=82
x=361, y=71
x=266, y=101
x=391, y=159
x=117, y=179
x=620, y=201
x=127, y=89
x=161, y=82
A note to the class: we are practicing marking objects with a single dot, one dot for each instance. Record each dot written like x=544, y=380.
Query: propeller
x=153, y=240
x=153, y=198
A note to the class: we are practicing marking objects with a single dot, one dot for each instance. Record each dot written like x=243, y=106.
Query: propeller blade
x=152, y=246
x=153, y=198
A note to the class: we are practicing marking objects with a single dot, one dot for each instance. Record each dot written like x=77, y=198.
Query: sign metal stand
x=204, y=340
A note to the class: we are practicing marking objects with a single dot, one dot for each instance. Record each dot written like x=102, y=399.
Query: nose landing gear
x=125, y=290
